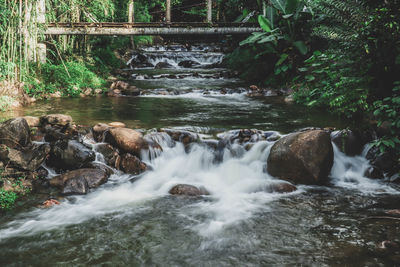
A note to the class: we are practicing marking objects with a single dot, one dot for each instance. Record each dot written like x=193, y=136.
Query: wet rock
x=302, y=158
x=98, y=131
x=120, y=85
x=385, y=162
x=374, y=173
x=117, y=124
x=69, y=155
x=32, y=121
x=55, y=133
x=289, y=99
x=50, y=203
x=79, y=181
x=127, y=140
x=132, y=165
x=188, y=190
x=15, y=133
x=187, y=63
x=184, y=137
x=109, y=153
x=163, y=65
x=56, y=119
x=348, y=141
x=281, y=188
x=96, y=165
x=29, y=159
x=393, y=212
x=131, y=91
x=138, y=59
x=88, y=92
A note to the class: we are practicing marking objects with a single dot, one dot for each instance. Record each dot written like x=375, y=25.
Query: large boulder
x=188, y=190
x=131, y=164
x=29, y=159
x=127, y=140
x=70, y=155
x=79, y=181
x=15, y=133
x=56, y=119
x=32, y=121
x=302, y=158
x=110, y=154
x=98, y=131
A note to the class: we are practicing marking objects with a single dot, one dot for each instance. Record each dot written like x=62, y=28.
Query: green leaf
x=287, y=16
x=264, y=23
x=301, y=46
x=271, y=16
x=282, y=59
x=280, y=5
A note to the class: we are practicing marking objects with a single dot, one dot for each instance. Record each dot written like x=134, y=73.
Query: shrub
x=7, y=199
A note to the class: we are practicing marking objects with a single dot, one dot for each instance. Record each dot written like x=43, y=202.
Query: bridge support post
x=209, y=11
x=168, y=11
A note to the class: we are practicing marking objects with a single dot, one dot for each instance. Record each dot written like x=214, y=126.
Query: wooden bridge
x=184, y=28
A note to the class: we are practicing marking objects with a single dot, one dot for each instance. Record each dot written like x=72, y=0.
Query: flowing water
x=134, y=221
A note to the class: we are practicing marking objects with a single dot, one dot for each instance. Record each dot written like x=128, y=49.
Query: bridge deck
x=107, y=28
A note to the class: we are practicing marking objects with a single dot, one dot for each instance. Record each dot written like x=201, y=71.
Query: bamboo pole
x=168, y=11
x=209, y=11
x=131, y=11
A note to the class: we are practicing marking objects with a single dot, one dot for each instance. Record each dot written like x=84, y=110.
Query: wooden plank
x=150, y=31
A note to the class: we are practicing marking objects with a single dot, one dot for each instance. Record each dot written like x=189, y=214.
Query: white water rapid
x=238, y=188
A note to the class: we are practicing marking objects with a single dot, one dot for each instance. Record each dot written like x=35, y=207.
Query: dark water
x=139, y=224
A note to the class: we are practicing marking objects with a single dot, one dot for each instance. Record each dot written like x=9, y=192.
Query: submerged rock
x=302, y=158
x=127, y=140
x=15, y=133
x=188, y=190
x=281, y=188
x=187, y=63
x=184, y=137
x=79, y=181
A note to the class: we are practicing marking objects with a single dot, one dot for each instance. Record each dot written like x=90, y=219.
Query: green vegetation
x=7, y=199
x=343, y=56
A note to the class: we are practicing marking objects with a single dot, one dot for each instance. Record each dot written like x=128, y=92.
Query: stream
x=133, y=221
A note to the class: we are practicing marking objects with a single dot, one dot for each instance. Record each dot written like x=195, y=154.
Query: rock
x=162, y=65
x=28, y=159
x=98, y=131
x=109, y=153
x=302, y=158
x=127, y=140
x=374, y=173
x=131, y=164
x=188, y=190
x=56, y=133
x=88, y=91
x=79, y=181
x=289, y=99
x=184, y=137
x=393, y=212
x=56, y=94
x=281, y=188
x=95, y=165
x=15, y=133
x=98, y=91
x=348, y=141
x=69, y=155
x=385, y=162
x=187, y=63
x=50, y=203
x=119, y=85
x=117, y=124
x=32, y=121
x=56, y=119
x=131, y=91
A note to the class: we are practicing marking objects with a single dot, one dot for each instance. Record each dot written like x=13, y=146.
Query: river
x=135, y=222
